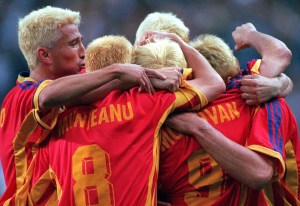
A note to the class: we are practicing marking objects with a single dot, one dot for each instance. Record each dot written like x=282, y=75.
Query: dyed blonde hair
x=218, y=54
x=164, y=22
x=158, y=54
x=107, y=50
x=40, y=28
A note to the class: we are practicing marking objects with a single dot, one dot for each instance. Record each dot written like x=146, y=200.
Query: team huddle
x=166, y=120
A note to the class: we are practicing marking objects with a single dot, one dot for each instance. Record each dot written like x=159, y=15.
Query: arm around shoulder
x=276, y=56
x=205, y=77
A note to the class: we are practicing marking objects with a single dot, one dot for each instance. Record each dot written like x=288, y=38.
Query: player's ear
x=43, y=55
x=229, y=78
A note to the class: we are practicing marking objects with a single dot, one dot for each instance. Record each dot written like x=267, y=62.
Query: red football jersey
x=190, y=176
x=107, y=153
x=19, y=120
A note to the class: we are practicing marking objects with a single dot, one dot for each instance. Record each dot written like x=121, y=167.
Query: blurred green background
x=275, y=17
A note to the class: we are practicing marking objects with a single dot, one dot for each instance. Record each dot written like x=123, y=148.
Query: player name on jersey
x=220, y=113
x=95, y=116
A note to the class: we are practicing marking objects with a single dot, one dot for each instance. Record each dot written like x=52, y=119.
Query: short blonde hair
x=164, y=22
x=158, y=54
x=40, y=29
x=218, y=54
x=107, y=50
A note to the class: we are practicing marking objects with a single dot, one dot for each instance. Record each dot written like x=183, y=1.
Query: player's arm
x=206, y=79
x=62, y=90
x=243, y=164
x=258, y=89
x=275, y=54
x=170, y=83
x=275, y=59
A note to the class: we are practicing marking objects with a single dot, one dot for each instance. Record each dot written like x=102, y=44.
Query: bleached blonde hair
x=40, y=28
x=158, y=54
x=107, y=50
x=218, y=54
x=164, y=22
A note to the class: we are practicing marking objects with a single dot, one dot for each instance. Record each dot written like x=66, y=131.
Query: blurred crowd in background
x=275, y=17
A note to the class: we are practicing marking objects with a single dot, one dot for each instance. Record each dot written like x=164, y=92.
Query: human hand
x=136, y=74
x=172, y=81
x=150, y=36
x=185, y=122
x=257, y=89
x=241, y=35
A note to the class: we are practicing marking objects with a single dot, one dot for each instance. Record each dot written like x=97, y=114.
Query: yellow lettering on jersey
x=93, y=118
x=115, y=112
x=212, y=115
x=127, y=111
x=169, y=138
x=103, y=116
x=2, y=117
x=233, y=110
x=221, y=113
x=80, y=119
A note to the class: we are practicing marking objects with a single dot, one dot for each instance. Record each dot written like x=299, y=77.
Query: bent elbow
x=262, y=178
x=46, y=100
x=219, y=86
x=285, y=55
x=43, y=101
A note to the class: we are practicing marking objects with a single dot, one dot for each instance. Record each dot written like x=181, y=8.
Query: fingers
x=155, y=73
x=180, y=76
x=251, y=102
x=173, y=87
x=148, y=37
x=251, y=99
x=146, y=84
x=249, y=80
x=143, y=80
x=246, y=95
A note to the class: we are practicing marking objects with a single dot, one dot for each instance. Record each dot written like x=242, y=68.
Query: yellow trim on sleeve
x=47, y=121
x=37, y=93
x=187, y=74
x=291, y=177
x=201, y=96
x=255, y=68
x=271, y=153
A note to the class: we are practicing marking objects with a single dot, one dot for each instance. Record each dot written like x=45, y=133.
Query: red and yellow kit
x=107, y=153
x=20, y=119
x=190, y=176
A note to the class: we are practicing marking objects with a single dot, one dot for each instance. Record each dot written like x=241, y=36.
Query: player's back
x=195, y=173
x=107, y=153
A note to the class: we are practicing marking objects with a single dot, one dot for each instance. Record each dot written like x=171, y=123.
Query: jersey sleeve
x=188, y=97
x=253, y=67
x=270, y=132
x=48, y=120
x=42, y=188
x=186, y=74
